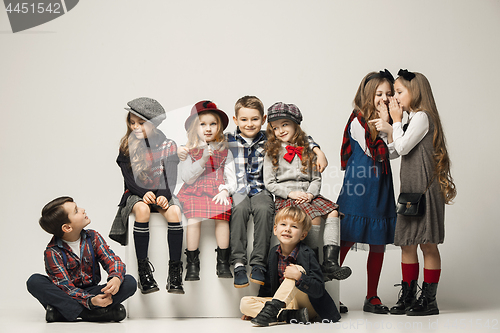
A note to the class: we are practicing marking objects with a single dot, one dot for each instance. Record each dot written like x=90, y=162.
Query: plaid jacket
x=249, y=161
x=72, y=274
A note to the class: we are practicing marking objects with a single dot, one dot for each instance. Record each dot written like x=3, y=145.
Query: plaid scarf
x=378, y=149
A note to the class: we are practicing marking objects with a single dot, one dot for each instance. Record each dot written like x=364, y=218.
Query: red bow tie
x=291, y=151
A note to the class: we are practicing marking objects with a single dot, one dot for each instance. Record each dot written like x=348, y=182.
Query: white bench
x=209, y=297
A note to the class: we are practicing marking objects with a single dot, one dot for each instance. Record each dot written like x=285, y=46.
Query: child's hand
x=395, y=110
x=291, y=272
x=162, y=202
x=112, y=286
x=182, y=153
x=102, y=300
x=222, y=198
x=381, y=125
x=383, y=111
x=321, y=161
x=149, y=198
x=207, y=152
x=299, y=196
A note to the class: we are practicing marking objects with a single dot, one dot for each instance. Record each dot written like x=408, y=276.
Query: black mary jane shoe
x=375, y=308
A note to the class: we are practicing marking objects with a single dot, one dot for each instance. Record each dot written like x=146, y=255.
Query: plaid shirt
x=249, y=161
x=283, y=262
x=76, y=275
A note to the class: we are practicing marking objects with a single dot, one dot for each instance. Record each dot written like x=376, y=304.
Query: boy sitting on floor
x=72, y=259
x=294, y=281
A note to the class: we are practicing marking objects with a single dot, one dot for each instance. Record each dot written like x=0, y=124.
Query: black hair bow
x=381, y=74
x=387, y=75
x=408, y=76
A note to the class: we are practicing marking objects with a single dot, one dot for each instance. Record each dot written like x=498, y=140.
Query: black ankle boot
x=300, y=316
x=53, y=315
x=147, y=283
x=174, y=280
x=331, y=269
x=407, y=296
x=116, y=313
x=426, y=304
x=222, y=267
x=192, y=265
x=269, y=313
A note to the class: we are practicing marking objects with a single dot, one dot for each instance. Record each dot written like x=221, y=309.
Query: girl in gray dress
x=424, y=164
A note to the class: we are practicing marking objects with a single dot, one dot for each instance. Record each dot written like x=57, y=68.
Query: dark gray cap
x=284, y=111
x=148, y=109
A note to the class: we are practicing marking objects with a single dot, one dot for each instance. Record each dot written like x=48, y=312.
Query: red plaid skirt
x=203, y=207
x=318, y=206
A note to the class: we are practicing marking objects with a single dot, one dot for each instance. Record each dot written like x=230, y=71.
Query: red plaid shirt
x=76, y=275
x=283, y=262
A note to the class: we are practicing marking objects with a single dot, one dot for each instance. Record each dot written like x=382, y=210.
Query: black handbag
x=412, y=204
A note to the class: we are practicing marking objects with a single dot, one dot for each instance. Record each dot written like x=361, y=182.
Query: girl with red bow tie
x=291, y=175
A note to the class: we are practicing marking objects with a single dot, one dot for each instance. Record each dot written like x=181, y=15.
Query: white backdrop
x=63, y=86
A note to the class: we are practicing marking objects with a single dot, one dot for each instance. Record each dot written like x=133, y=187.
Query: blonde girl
x=209, y=179
x=424, y=163
x=148, y=162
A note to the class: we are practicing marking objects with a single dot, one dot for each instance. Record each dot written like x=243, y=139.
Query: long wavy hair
x=194, y=140
x=273, y=147
x=136, y=150
x=422, y=99
x=365, y=96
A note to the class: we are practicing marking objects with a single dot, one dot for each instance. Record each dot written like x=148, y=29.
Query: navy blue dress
x=367, y=200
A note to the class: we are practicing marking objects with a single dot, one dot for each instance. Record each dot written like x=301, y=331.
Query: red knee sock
x=431, y=275
x=410, y=272
x=346, y=246
x=373, y=268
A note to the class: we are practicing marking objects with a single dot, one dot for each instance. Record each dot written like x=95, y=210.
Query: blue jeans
x=47, y=293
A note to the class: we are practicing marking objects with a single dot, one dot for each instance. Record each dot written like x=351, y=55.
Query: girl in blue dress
x=367, y=195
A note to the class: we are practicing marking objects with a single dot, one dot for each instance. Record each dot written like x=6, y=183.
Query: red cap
x=203, y=106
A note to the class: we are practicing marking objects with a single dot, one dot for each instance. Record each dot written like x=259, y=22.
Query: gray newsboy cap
x=148, y=109
x=281, y=110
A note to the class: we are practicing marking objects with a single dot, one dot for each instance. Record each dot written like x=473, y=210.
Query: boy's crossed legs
x=288, y=297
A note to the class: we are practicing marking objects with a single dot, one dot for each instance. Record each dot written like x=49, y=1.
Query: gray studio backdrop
x=63, y=86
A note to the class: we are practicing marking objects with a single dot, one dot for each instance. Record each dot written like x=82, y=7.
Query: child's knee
x=173, y=214
x=141, y=211
x=334, y=213
x=429, y=249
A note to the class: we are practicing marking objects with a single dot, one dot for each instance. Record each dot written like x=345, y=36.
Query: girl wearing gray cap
x=148, y=161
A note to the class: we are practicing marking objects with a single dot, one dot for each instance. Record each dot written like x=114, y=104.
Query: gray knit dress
x=417, y=169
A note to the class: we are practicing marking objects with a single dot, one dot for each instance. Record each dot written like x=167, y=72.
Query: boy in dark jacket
x=294, y=290
x=72, y=259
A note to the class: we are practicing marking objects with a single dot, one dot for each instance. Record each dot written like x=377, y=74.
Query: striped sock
x=141, y=239
x=174, y=239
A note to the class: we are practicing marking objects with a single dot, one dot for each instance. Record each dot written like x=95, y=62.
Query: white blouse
x=404, y=142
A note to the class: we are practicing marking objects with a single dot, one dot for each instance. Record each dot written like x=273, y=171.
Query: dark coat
x=311, y=284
